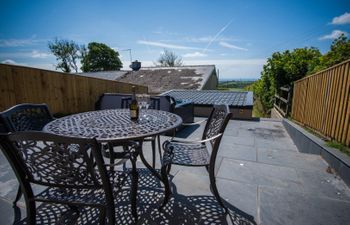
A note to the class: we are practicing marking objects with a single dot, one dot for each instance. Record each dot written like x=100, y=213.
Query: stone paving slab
x=8, y=180
x=6, y=212
x=281, y=207
x=259, y=173
x=235, y=151
x=291, y=159
x=239, y=140
x=232, y=131
x=276, y=144
x=323, y=184
x=191, y=183
x=242, y=196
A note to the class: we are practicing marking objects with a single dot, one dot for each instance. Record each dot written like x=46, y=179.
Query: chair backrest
x=126, y=101
x=113, y=101
x=25, y=117
x=165, y=103
x=55, y=161
x=217, y=122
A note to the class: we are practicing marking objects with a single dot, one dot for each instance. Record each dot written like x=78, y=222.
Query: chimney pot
x=135, y=65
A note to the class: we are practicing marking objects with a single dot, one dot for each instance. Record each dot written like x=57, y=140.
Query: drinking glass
x=143, y=105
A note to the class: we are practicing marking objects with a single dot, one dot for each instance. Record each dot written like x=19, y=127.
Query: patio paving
x=261, y=175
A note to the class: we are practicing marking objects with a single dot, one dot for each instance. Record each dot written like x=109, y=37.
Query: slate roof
x=107, y=75
x=161, y=79
x=212, y=97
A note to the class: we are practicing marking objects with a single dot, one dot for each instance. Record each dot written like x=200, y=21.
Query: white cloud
x=162, y=31
x=230, y=46
x=194, y=55
x=207, y=39
x=217, y=35
x=335, y=34
x=343, y=19
x=157, y=32
x=198, y=40
x=164, y=45
x=26, y=54
x=9, y=61
x=41, y=55
x=46, y=66
x=20, y=42
x=15, y=54
x=15, y=42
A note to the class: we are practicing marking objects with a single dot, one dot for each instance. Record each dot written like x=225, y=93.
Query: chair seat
x=83, y=196
x=186, y=154
x=189, y=153
x=152, y=138
x=118, y=178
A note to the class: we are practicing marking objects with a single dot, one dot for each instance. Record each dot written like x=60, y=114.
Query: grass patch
x=314, y=133
x=234, y=84
x=230, y=89
x=258, y=109
x=340, y=147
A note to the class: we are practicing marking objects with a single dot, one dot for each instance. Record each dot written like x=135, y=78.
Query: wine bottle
x=134, y=109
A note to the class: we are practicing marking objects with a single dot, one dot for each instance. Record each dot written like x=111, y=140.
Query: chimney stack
x=135, y=65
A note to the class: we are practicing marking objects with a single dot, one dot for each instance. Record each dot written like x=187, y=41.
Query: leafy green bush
x=283, y=68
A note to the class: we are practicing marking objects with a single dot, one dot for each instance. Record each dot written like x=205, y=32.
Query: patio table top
x=114, y=125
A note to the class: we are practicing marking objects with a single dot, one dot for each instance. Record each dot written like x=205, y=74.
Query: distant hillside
x=234, y=85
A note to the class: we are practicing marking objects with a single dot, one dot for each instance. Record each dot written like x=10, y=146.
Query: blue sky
x=236, y=36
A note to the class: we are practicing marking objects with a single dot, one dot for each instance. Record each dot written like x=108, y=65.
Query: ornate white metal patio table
x=114, y=125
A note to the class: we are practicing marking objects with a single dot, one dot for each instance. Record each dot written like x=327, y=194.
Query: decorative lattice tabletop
x=108, y=125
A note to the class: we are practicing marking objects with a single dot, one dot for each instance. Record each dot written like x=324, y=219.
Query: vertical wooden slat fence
x=322, y=102
x=64, y=93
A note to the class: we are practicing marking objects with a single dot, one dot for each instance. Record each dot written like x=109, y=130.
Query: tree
x=100, y=57
x=169, y=59
x=339, y=52
x=282, y=69
x=67, y=54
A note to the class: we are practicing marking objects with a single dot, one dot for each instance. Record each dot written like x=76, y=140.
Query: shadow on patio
x=181, y=209
x=261, y=175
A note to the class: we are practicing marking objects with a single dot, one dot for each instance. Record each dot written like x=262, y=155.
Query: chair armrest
x=183, y=104
x=118, y=163
x=196, y=141
x=195, y=123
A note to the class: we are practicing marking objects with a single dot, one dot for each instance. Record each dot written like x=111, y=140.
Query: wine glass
x=143, y=105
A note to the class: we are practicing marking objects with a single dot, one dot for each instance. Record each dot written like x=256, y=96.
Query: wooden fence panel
x=6, y=88
x=340, y=117
x=322, y=102
x=64, y=93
